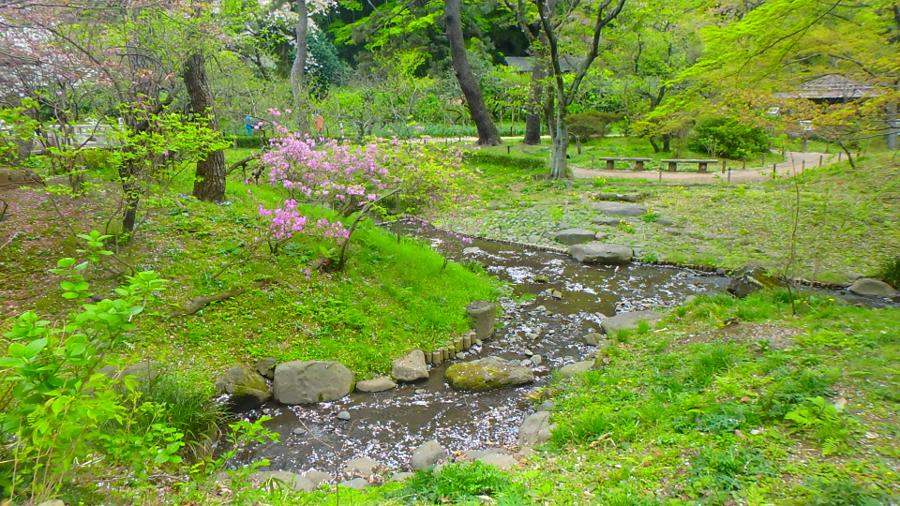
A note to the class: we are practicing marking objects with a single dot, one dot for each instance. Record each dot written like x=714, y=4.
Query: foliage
x=825, y=422
x=58, y=409
x=721, y=136
x=890, y=271
x=590, y=125
x=16, y=128
x=463, y=484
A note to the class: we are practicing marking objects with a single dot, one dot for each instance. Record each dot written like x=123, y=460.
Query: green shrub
x=723, y=470
x=247, y=141
x=722, y=136
x=845, y=492
x=825, y=422
x=463, y=484
x=188, y=406
x=590, y=125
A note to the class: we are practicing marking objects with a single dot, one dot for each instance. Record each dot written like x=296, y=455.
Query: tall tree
x=565, y=93
x=209, y=179
x=487, y=130
x=298, y=69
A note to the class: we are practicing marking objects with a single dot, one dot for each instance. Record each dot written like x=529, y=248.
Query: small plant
x=598, y=182
x=825, y=422
x=890, y=272
x=724, y=470
x=625, y=227
x=650, y=216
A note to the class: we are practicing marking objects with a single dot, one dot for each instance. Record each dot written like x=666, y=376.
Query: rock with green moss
x=487, y=374
x=752, y=279
x=247, y=388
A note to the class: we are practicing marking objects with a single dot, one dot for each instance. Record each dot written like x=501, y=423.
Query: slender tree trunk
x=533, y=118
x=667, y=143
x=209, y=180
x=654, y=144
x=487, y=131
x=559, y=167
x=298, y=68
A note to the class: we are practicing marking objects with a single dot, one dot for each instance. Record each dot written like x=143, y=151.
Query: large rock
x=575, y=369
x=10, y=178
x=308, y=382
x=483, y=315
x=628, y=321
x=356, y=483
x=872, y=288
x=410, y=367
x=317, y=477
x=536, y=429
x=619, y=209
x=266, y=367
x=427, y=454
x=599, y=253
x=487, y=373
x=751, y=279
x=379, y=384
x=592, y=338
x=493, y=456
x=284, y=479
x=574, y=236
x=247, y=388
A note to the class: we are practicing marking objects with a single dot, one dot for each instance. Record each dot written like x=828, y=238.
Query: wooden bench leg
x=701, y=167
x=672, y=166
x=639, y=165
x=610, y=165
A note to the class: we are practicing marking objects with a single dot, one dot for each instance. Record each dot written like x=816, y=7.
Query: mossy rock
x=487, y=374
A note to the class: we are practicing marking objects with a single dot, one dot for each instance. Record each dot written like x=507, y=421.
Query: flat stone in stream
x=355, y=483
x=361, y=466
x=600, y=253
x=627, y=321
x=619, y=209
x=487, y=374
x=574, y=236
x=311, y=381
x=378, y=384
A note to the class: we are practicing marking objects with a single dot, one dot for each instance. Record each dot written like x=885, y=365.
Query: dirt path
x=795, y=163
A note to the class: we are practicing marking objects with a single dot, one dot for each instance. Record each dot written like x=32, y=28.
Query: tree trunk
x=298, y=68
x=560, y=134
x=487, y=131
x=209, y=180
x=667, y=143
x=654, y=144
x=533, y=118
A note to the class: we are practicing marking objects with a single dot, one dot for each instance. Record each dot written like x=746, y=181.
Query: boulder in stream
x=487, y=373
x=247, y=388
x=627, y=321
x=410, y=367
x=599, y=253
x=362, y=466
x=751, y=279
x=869, y=287
x=427, y=454
x=536, y=429
x=311, y=381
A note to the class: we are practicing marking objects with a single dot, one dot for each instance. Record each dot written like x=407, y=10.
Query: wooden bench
x=701, y=163
x=611, y=161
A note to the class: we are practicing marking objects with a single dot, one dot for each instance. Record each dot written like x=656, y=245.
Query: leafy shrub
x=462, y=484
x=890, y=272
x=796, y=385
x=722, y=136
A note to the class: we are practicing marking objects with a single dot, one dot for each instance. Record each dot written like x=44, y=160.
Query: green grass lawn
x=848, y=219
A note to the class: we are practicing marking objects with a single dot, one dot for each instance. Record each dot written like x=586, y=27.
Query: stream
x=388, y=426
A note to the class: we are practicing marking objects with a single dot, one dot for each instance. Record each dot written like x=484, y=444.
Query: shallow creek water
x=387, y=426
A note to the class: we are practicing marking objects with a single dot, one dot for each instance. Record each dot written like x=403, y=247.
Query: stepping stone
x=379, y=384
x=576, y=368
x=574, y=236
x=603, y=220
x=619, y=209
x=872, y=288
x=629, y=320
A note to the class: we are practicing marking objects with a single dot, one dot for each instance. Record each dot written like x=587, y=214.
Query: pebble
x=421, y=391
x=460, y=356
x=536, y=359
x=298, y=431
x=343, y=415
x=527, y=352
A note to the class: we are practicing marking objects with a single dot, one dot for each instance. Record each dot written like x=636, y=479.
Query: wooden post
x=729, y=174
x=744, y=165
x=508, y=148
x=660, y=174
x=724, y=164
x=821, y=159
x=802, y=166
x=592, y=160
x=840, y=153
x=773, y=169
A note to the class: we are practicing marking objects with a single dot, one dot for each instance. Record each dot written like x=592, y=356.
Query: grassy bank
x=395, y=293
x=847, y=227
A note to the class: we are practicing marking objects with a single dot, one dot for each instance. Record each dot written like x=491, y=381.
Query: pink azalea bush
x=353, y=180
